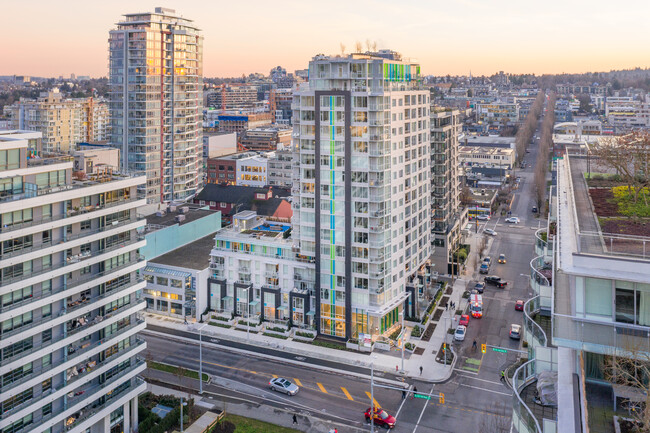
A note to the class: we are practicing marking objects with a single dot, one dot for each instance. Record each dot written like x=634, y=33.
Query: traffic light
x=483, y=348
x=444, y=347
x=441, y=398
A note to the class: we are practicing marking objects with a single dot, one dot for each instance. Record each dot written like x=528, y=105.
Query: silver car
x=282, y=385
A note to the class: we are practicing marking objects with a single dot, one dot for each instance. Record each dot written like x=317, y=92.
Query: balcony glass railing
x=75, y=259
x=76, y=283
x=523, y=419
x=532, y=328
x=85, y=233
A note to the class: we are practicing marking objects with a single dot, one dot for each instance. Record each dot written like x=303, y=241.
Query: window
x=148, y=278
x=47, y=236
x=17, y=322
x=162, y=281
x=17, y=296
x=46, y=385
x=177, y=284
x=17, y=217
x=17, y=374
x=85, y=225
x=46, y=311
x=47, y=409
x=47, y=335
x=17, y=348
x=17, y=400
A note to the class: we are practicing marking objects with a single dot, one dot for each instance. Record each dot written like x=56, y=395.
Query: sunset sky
x=46, y=38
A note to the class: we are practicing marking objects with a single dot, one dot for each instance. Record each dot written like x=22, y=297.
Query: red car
x=381, y=417
x=464, y=320
x=519, y=305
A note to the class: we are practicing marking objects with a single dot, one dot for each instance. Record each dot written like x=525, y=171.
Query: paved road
x=337, y=397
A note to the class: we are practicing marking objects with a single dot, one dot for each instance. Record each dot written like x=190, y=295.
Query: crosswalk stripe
x=347, y=394
x=297, y=381
x=375, y=404
x=322, y=388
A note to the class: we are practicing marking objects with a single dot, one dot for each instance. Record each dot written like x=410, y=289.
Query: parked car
x=534, y=209
x=487, y=259
x=281, y=384
x=512, y=220
x=490, y=232
x=479, y=287
x=485, y=268
x=515, y=331
x=459, y=335
x=496, y=280
x=464, y=320
x=381, y=418
x=502, y=258
x=519, y=305
x=483, y=217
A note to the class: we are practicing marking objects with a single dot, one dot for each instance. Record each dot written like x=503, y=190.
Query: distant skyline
x=42, y=38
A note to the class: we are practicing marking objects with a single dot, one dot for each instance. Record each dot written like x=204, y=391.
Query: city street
x=473, y=397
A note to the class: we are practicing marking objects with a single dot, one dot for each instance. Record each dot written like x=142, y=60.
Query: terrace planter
x=269, y=330
x=381, y=345
x=304, y=337
x=222, y=320
x=410, y=323
x=252, y=328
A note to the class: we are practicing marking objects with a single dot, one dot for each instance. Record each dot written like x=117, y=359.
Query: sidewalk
x=384, y=362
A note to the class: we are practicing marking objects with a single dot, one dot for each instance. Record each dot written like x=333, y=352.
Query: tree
x=632, y=371
x=585, y=103
x=629, y=156
x=466, y=196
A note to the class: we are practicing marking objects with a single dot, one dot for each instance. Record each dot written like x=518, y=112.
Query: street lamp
x=403, y=331
x=182, y=404
x=372, y=395
x=201, y=358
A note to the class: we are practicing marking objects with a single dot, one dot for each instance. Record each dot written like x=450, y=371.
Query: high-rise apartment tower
x=156, y=101
x=361, y=188
x=69, y=294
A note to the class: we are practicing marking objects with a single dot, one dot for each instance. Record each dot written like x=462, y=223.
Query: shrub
x=395, y=333
x=276, y=328
x=416, y=332
x=221, y=325
x=221, y=318
x=328, y=345
x=409, y=346
x=304, y=334
x=268, y=334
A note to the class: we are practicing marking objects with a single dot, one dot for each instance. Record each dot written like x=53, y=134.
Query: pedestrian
x=404, y=394
x=420, y=370
x=474, y=345
x=396, y=368
x=503, y=375
x=415, y=390
x=295, y=419
x=446, y=306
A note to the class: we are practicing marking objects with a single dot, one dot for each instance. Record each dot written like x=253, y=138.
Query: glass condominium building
x=156, y=101
x=361, y=188
x=69, y=294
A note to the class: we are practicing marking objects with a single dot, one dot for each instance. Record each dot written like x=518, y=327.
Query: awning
x=284, y=308
x=253, y=303
x=227, y=298
x=311, y=313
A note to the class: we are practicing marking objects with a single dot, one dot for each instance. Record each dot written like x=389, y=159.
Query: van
x=476, y=306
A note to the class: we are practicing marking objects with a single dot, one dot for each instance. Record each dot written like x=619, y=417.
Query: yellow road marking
x=347, y=394
x=297, y=381
x=275, y=376
x=374, y=401
x=322, y=388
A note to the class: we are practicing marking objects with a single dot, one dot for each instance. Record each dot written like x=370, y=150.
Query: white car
x=490, y=232
x=459, y=335
x=483, y=217
x=282, y=385
x=513, y=220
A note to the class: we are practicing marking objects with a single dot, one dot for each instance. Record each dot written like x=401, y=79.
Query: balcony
x=634, y=247
x=70, y=214
x=78, y=282
x=62, y=242
x=541, y=275
x=72, y=348
x=73, y=260
x=528, y=416
x=534, y=334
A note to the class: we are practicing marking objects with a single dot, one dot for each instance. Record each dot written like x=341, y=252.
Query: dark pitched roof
x=265, y=207
x=228, y=193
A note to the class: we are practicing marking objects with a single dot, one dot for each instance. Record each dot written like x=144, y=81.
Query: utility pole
x=372, y=397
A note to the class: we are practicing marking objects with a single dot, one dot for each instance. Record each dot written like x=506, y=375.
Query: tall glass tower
x=361, y=188
x=156, y=101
